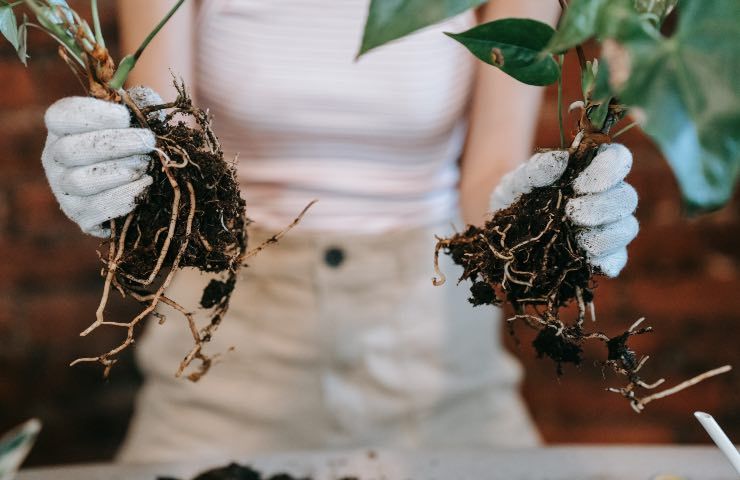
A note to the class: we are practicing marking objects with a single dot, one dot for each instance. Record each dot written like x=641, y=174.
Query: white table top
x=551, y=463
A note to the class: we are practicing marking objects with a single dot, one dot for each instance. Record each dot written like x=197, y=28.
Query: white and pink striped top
x=375, y=140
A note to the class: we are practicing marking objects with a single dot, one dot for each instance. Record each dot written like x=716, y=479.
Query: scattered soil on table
x=235, y=471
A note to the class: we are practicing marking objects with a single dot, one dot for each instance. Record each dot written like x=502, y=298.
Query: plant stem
x=96, y=24
x=579, y=49
x=156, y=30
x=561, y=57
x=129, y=61
x=581, y=58
x=625, y=129
x=55, y=30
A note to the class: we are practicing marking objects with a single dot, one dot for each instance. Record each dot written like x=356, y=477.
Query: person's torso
x=375, y=140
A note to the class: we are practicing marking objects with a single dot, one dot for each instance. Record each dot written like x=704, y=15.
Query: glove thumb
x=146, y=97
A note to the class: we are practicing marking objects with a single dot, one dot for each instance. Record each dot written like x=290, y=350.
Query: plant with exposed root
x=527, y=254
x=191, y=216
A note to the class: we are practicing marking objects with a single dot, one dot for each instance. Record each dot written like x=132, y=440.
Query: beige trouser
x=363, y=353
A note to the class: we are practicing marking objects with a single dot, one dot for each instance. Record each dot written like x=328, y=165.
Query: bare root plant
x=191, y=216
x=202, y=225
x=528, y=255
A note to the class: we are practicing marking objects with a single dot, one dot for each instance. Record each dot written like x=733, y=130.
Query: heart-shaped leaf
x=392, y=19
x=687, y=86
x=515, y=46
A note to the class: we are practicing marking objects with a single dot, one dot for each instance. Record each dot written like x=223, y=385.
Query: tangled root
x=528, y=255
x=191, y=216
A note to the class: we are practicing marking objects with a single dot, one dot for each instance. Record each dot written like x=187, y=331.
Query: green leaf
x=49, y=19
x=392, y=19
x=599, y=93
x=515, y=46
x=23, y=40
x=598, y=114
x=687, y=86
x=584, y=19
x=60, y=5
x=579, y=23
x=8, y=25
x=658, y=8
x=601, y=88
x=588, y=78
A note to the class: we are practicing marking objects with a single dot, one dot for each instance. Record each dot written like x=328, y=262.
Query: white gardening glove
x=94, y=160
x=604, y=203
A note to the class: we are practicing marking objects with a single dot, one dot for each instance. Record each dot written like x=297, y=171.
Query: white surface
x=555, y=463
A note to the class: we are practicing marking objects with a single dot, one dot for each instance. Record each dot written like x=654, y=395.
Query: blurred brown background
x=682, y=276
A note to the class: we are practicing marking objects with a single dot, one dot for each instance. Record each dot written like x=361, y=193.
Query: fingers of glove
x=503, y=195
x=519, y=182
x=73, y=115
x=546, y=167
x=144, y=96
x=52, y=168
x=98, y=177
x=610, y=265
x=540, y=170
x=90, y=212
x=609, y=167
x=508, y=189
x=500, y=199
x=99, y=232
x=103, y=145
x=601, y=208
x=606, y=239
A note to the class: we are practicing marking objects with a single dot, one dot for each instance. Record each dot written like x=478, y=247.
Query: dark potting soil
x=192, y=215
x=234, y=471
x=528, y=255
x=218, y=233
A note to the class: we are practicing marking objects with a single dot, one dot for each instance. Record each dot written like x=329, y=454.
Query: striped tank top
x=376, y=140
